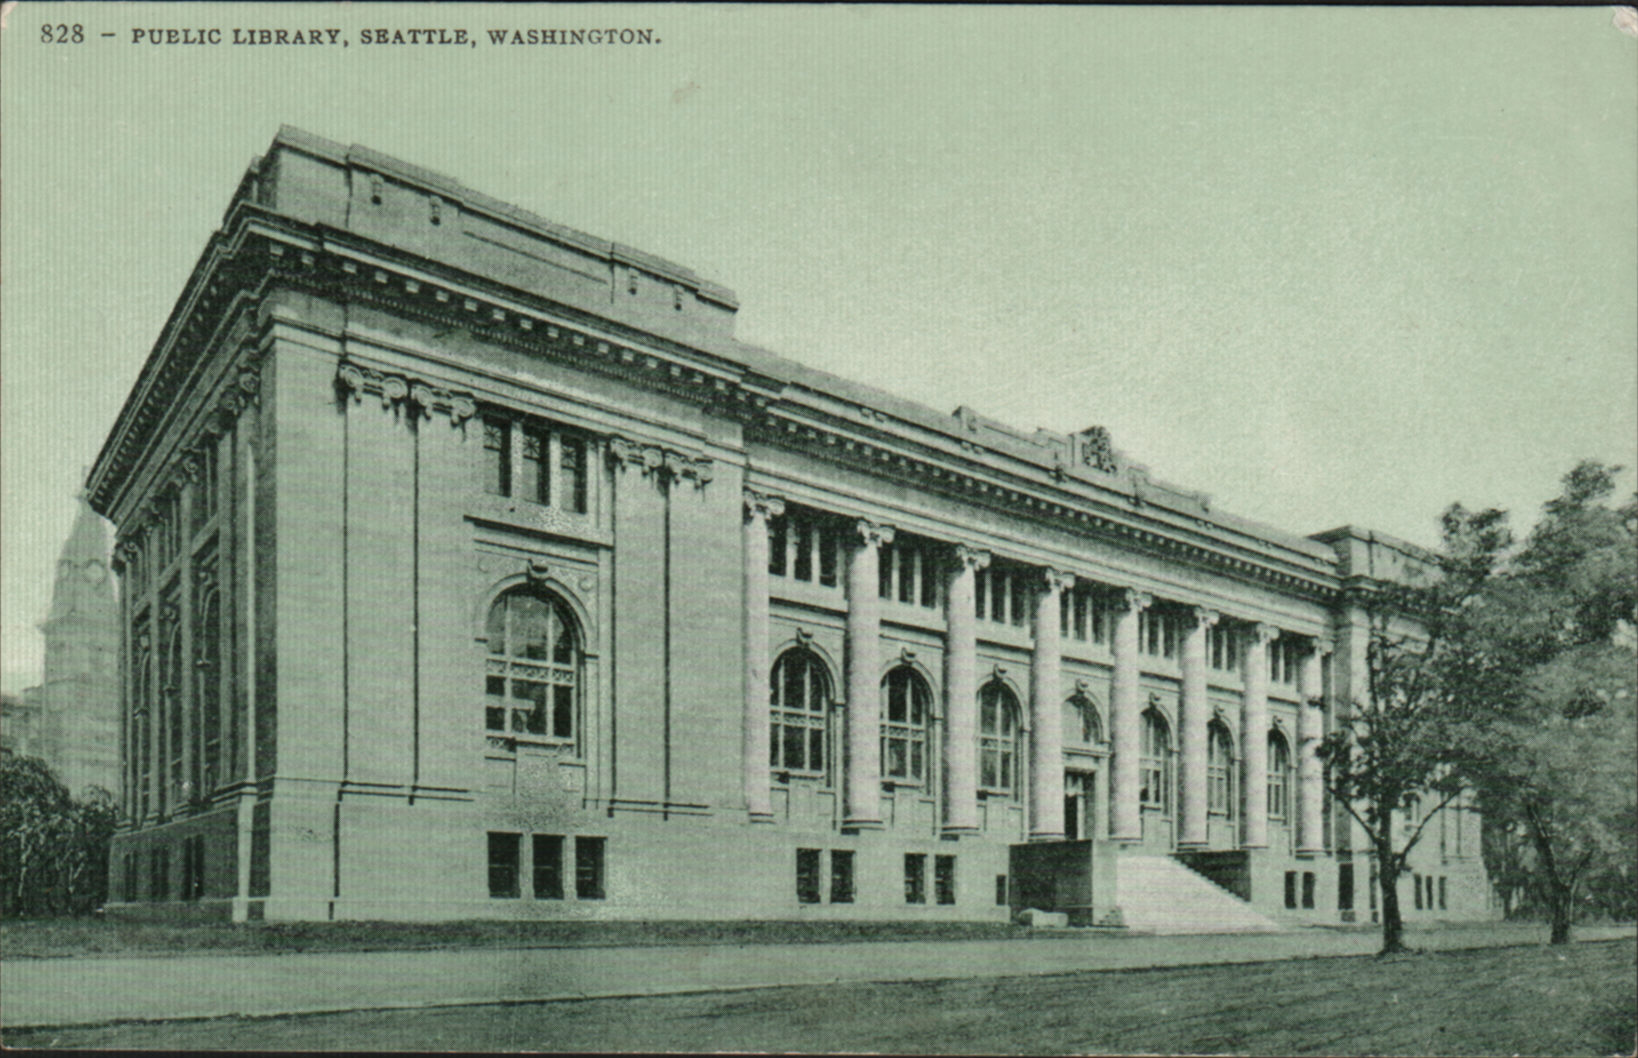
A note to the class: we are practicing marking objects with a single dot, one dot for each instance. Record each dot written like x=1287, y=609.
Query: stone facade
x=474, y=569
x=72, y=719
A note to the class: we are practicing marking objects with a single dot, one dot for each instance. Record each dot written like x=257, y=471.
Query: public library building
x=470, y=567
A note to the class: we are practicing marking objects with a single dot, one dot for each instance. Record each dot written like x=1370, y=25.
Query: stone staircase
x=1157, y=894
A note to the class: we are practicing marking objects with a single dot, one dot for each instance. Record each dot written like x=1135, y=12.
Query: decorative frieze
x=422, y=398
x=667, y=464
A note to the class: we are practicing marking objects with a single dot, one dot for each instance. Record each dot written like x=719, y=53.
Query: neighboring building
x=72, y=719
x=473, y=568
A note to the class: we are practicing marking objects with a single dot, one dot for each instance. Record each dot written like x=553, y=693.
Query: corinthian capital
x=1202, y=618
x=970, y=558
x=762, y=506
x=1132, y=600
x=1262, y=634
x=872, y=534
x=1056, y=580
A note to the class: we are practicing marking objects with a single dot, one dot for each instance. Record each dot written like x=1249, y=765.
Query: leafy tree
x=53, y=849
x=1404, y=744
x=1560, y=740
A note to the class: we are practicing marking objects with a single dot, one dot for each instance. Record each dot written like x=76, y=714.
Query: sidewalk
x=40, y=992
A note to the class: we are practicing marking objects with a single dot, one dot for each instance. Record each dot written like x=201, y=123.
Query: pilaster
x=864, y=768
x=1125, y=707
x=758, y=509
x=1254, y=736
x=961, y=693
x=1046, y=788
x=1310, y=730
x=1196, y=714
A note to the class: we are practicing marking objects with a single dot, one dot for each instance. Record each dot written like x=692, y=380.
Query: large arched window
x=1155, y=762
x=905, y=712
x=171, y=707
x=1219, y=770
x=207, y=697
x=1081, y=727
x=532, y=678
x=997, y=738
x=1279, y=776
x=799, y=698
x=142, y=745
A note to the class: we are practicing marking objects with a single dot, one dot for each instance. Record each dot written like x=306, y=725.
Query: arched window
x=997, y=738
x=1219, y=770
x=532, y=677
x=1155, y=762
x=207, y=697
x=143, y=730
x=799, y=698
x=1081, y=727
x=1279, y=776
x=904, y=725
x=171, y=708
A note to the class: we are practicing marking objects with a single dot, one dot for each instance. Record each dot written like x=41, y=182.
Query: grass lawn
x=1501, y=1001
x=47, y=938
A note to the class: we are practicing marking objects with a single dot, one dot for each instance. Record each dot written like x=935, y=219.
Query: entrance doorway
x=1078, y=794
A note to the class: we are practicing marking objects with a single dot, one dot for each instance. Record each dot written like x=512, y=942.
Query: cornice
x=260, y=249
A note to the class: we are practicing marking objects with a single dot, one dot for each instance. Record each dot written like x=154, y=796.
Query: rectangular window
x=588, y=868
x=535, y=461
x=1442, y=892
x=929, y=578
x=204, y=489
x=981, y=586
x=193, y=867
x=572, y=462
x=535, y=469
x=1345, y=887
x=1429, y=883
x=548, y=866
x=1291, y=889
x=159, y=874
x=1225, y=648
x=1000, y=890
x=503, y=865
x=1308, y=890
x=841, y=876
x=915, y=878
x=497, y=457
x=827, y=556
x=1416, y=885
x=944, y=879
x=807, y=876
x=908, y=563
x=128, y=883
x=776, y=545
x=804, y=551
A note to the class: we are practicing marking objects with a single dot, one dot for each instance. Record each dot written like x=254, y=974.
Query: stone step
x=1157, y=894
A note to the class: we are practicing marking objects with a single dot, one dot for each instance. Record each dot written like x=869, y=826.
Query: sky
x=1331, y=266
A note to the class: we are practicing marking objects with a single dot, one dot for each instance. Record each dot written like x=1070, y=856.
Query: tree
x=1403, y=744
x=53, y=849
x=1561, y=739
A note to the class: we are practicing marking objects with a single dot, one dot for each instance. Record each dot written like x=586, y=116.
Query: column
x=1196, y=713
x=1046, y=709
x=1254, y=736
x=758, y=509
x=183, y=680
x=864, y=699
x=1310, y=730
x=1125, y=814
x=961, y=693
